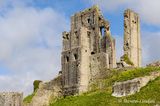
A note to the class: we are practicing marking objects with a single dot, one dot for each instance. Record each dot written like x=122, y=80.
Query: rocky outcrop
x=132, y=86
x=47, y=91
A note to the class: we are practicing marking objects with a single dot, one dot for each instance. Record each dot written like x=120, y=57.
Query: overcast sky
x=30, y=35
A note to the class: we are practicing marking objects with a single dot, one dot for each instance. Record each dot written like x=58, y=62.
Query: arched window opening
x=103, y=31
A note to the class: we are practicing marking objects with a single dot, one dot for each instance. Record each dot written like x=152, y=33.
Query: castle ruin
x=132, y=41
x=86, y=47
x=88, y=50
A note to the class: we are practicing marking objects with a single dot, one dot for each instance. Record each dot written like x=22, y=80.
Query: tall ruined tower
x=86, y=48
x=132, y=41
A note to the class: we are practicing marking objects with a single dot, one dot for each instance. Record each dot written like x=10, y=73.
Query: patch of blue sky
x=116, y=22
x=67, y=6
x=4, y=70
x=150, y=28
x=41, y=44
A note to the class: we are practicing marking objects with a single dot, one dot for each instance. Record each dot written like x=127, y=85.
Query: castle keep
x=87, y=47
x=132, y=44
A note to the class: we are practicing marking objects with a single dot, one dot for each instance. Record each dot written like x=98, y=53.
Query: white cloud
x=30, y=46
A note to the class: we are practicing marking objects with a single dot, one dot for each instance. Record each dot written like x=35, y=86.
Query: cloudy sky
x=30, y=35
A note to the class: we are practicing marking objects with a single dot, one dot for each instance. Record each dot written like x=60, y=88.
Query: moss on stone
x=36, y=84
x=127, y=60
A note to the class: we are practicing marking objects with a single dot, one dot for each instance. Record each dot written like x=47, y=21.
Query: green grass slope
x=28, y=98
x=148, y=96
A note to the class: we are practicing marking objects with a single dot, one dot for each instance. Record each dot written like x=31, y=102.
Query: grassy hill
x=148, y=96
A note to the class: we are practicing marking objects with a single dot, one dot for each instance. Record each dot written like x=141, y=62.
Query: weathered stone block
x=132, y=86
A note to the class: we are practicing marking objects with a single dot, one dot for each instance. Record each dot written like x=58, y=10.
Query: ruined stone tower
x=132, y=44
x=86, y=48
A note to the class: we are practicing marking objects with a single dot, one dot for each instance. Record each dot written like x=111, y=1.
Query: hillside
x=101, y=95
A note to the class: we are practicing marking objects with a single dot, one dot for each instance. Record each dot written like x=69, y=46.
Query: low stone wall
x=47, y=91
x=132, y=86
x=11, y=99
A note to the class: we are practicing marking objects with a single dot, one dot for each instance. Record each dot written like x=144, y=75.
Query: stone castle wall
x=47, y=91
x=11, y=99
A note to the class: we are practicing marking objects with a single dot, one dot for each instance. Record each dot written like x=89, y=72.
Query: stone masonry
x=46, y=92
x=86, y=47
x=132, y=41
x=11, y=99
x=130, y=87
